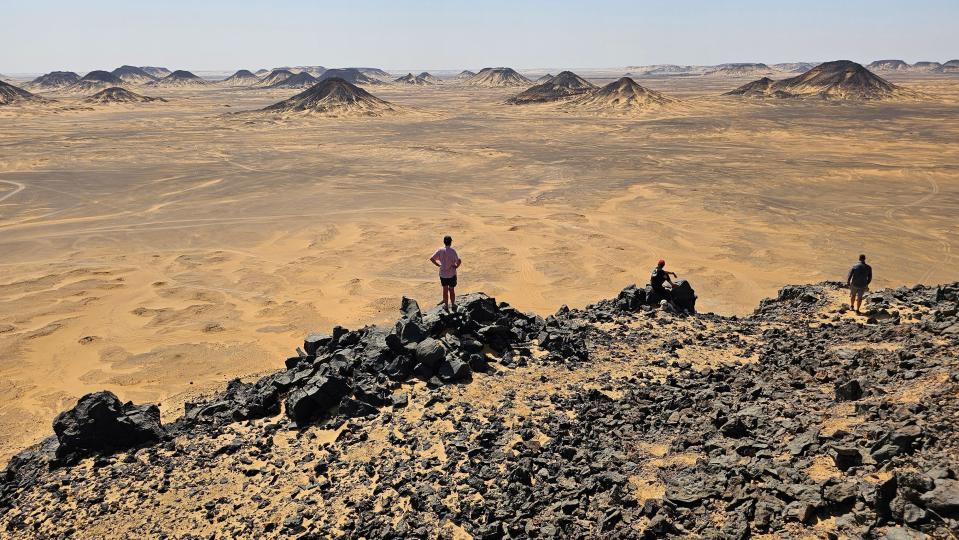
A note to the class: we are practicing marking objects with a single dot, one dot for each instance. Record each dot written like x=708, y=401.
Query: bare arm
x=458, y=263
x=435, y=261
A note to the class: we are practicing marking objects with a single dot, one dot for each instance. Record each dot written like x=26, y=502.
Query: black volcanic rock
x=411, y=79
x=133, y=75
x=242, y=77
x=13, y=95
x=334, y=97
x=622, y=96
x=297, y=80
x=564, y=85
x=100, y=423
x=100, y=76
x=119, y=95
x=351, y=75
x=53, y=80
x=274, y=77
x=497, y=77
x=179, y=78
x=156, y=72
x=838, y=80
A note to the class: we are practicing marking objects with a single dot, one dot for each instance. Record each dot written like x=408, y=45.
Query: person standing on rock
x=858, y=280
x=657, y=278
x=448, y=261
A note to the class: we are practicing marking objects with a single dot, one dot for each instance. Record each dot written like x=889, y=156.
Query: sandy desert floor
x=159, y=250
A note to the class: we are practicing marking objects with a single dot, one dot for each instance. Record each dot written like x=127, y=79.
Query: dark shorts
x=448, y=281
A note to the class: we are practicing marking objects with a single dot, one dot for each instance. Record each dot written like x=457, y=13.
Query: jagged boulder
x=101, y=424
x=316, y=397
x=240, y=401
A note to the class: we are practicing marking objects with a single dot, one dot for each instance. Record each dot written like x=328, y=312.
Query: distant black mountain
x=564, y=85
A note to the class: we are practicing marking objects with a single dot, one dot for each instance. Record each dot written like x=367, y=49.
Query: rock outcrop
x=14, y=95
x=55, y=80
x=563, y=86
x=119, y=95
x=839, y=80
x=334, y=97
x=617, y=420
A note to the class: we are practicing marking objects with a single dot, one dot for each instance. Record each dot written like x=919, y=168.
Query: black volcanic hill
x=545, y=78
x=952, y=66
x=497, y=77
x=624, y=96
x=618, y=421
x=133, y=75
x=352, y=75
x=54, y=80
x=179, y=79
x=426, y=76
x=564, y=85
x=415, y=80
x=333, y=97
x=464, y=75
x=14, y=95
x=119, y=95
x=241, y=78
x=274, y=76
x=156, y=72
x=297, y=80
x=888, y=65
x=94, y=82
x=837, y=80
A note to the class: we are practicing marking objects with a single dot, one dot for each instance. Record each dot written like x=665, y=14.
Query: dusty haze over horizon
x=219, y=35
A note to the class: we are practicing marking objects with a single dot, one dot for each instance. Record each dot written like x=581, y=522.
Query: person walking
x=858, y=280
x=448, y=261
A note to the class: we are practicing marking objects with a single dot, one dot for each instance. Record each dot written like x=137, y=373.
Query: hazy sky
x=43, y=35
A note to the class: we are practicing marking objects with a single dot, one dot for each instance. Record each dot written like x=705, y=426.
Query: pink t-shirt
x=448, y=258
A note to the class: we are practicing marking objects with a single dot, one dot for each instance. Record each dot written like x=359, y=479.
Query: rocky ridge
x=619, y=420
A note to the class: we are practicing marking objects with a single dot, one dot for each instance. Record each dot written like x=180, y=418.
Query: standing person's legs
x=452, y=289
x=446, y=294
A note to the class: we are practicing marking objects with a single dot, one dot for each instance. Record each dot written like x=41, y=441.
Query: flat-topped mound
x=497, y=78
x=838, y=80
x=55, y=80
x=119, y=95
x=746, y=69
x=336, y=98
x=624, y=96
x=563, y=86
x=157, y=72
x=888, y=65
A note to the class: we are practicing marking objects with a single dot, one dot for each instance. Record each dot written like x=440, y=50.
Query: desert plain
x=159, y=250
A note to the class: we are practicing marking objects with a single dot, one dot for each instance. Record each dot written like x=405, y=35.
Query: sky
x=45, y=35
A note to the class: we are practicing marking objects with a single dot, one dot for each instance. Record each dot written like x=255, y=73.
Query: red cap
x=661, y=262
